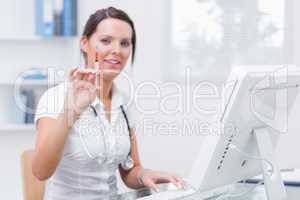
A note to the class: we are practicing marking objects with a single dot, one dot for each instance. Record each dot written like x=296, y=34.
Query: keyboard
x=169, y=195
x=171, y=192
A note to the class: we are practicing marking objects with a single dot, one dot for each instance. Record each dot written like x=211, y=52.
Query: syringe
x=97, y=66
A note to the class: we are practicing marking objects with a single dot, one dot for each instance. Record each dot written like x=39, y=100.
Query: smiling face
x=113, y=41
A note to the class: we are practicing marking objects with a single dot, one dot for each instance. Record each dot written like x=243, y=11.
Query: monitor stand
x=274, y=185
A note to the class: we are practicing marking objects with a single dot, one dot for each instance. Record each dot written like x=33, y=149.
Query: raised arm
x=52, y=133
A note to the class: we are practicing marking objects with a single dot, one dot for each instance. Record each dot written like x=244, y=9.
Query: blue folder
x=290, y=178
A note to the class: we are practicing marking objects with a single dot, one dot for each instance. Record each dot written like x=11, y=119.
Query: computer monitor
x=257, y=100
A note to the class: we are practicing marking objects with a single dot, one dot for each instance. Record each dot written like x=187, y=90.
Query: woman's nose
x=116, y=48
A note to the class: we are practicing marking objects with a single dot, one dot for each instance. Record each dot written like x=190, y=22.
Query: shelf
x=38, y=38
x=30, y=83
x=17, y=127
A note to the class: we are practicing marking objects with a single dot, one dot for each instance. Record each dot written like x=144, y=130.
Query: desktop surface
x=257, y=193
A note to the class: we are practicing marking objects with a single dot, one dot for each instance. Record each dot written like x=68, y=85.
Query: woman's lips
x=113, y=63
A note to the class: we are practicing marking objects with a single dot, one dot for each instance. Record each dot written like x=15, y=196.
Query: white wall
x=18, y=54
x=161, y=151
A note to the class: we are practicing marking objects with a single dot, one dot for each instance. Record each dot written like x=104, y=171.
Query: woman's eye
x=125, y=43
x=105, y=41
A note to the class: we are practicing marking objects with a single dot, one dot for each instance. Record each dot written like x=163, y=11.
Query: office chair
x=33, y=189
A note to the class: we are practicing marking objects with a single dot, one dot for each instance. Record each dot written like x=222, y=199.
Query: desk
x=257, y=194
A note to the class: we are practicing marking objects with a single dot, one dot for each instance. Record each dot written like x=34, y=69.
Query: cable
x=270, y=170
x=228, y=195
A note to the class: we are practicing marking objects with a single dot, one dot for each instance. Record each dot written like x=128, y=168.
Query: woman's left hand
x=150, y=178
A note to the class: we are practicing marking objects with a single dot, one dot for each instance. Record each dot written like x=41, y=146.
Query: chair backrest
x=33, y=189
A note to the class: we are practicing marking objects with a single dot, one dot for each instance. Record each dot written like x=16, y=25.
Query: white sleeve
x=50, y=104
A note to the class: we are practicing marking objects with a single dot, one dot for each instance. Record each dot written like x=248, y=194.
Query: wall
x=21, y=52
x=157, y=150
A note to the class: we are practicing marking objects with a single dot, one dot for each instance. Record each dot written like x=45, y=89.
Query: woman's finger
x=78, y=75
x=151, y=184
x=71, y=73
x=85, y=75
x=91, y=78
x=78, y=84
x=180, y=181
x=168, y=178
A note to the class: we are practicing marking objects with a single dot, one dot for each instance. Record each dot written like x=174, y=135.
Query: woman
x=85, y=131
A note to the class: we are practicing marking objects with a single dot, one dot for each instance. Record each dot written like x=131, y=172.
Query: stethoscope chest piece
x=128, y=163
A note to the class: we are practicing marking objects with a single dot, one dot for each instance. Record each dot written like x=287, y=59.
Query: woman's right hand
x=81, y=91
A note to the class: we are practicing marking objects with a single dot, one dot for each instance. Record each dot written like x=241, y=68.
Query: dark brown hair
x=110, y=12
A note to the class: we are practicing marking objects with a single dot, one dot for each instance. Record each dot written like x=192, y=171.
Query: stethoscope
x=129, y=163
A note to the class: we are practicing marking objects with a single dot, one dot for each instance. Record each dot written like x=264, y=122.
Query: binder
x=56, y=17
x=45, y=18
x=38, y=17
x=58, y=8
x=30, y=105
x=69, y=18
